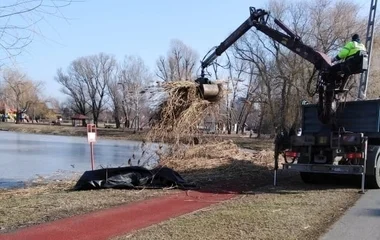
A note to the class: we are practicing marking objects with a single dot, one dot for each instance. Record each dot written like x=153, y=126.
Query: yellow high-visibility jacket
x=350, y=49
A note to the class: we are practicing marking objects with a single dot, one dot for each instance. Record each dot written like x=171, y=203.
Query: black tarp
x=131, y=177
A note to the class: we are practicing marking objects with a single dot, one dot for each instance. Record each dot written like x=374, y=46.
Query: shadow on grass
x=244, y=177
x=253, y=143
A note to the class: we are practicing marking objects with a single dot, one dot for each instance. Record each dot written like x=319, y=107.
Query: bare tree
x=179, y=64
x=74, y=87
x=86, y=82
x=103, y=69
x=250, y=98
x=19, y=91
x=134, y=79
x=236, y=69
x=115, y=94
x=66, y=109
x=20, y=22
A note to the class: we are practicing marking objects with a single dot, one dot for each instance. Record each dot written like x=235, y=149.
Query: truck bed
x=356, y=116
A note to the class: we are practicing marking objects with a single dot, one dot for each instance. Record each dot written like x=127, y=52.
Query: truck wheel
x=373, y=181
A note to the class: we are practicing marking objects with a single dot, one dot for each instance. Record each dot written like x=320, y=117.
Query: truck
x=337, y=137
x=349, y=144
x=352, y=147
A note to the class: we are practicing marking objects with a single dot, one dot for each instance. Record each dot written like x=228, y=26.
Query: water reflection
x=23, y=156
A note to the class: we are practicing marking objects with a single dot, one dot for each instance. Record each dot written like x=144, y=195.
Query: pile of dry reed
x=217, y=154
x=182, y=111
x=176, y=123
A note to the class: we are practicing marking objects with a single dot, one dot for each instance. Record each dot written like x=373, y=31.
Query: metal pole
x=364, y=164
x=276, y=155
x=92, y=155
x=363, y=84
x=275, y=178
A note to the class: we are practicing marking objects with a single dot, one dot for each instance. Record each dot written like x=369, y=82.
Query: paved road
x=361, y=222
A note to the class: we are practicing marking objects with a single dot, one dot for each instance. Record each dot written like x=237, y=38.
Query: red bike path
x=117, y=221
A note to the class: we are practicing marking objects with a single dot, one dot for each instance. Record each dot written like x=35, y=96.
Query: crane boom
x=258, y=19
x=330, y=81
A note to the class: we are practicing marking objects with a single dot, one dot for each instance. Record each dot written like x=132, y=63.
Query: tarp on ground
x=130, y=178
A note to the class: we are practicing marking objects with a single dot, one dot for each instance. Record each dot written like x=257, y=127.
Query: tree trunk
x=244, y=121
x=117, y=121
x=260, y=125
x=18, y=116
x=126, y=123
x=229, y=123
x=95, y=116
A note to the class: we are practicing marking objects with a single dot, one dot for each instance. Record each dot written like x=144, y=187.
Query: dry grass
x=55, y=200
x=286, y=212
x=211, y=155
x=221, y=163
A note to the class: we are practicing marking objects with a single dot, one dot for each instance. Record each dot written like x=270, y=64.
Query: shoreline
x=68, y=130
x=243, y=142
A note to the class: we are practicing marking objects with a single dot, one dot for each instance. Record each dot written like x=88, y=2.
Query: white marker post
x=91, y=138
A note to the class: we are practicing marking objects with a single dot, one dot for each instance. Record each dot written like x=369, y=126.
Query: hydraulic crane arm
x=258, y=19
x=329, y=82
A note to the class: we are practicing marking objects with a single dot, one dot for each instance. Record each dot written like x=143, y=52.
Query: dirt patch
x=51, y=201
x=290, y=211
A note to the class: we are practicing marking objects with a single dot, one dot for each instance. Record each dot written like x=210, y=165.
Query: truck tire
x=373, y=181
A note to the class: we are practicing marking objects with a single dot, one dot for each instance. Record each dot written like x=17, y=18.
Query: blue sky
x=122, y=27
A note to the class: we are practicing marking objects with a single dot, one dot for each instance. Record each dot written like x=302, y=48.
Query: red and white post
x=91, y=138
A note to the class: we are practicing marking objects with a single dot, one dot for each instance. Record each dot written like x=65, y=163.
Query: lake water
x=26, y=156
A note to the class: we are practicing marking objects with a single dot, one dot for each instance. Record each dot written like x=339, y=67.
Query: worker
x=351, y=48
x=352, y=59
